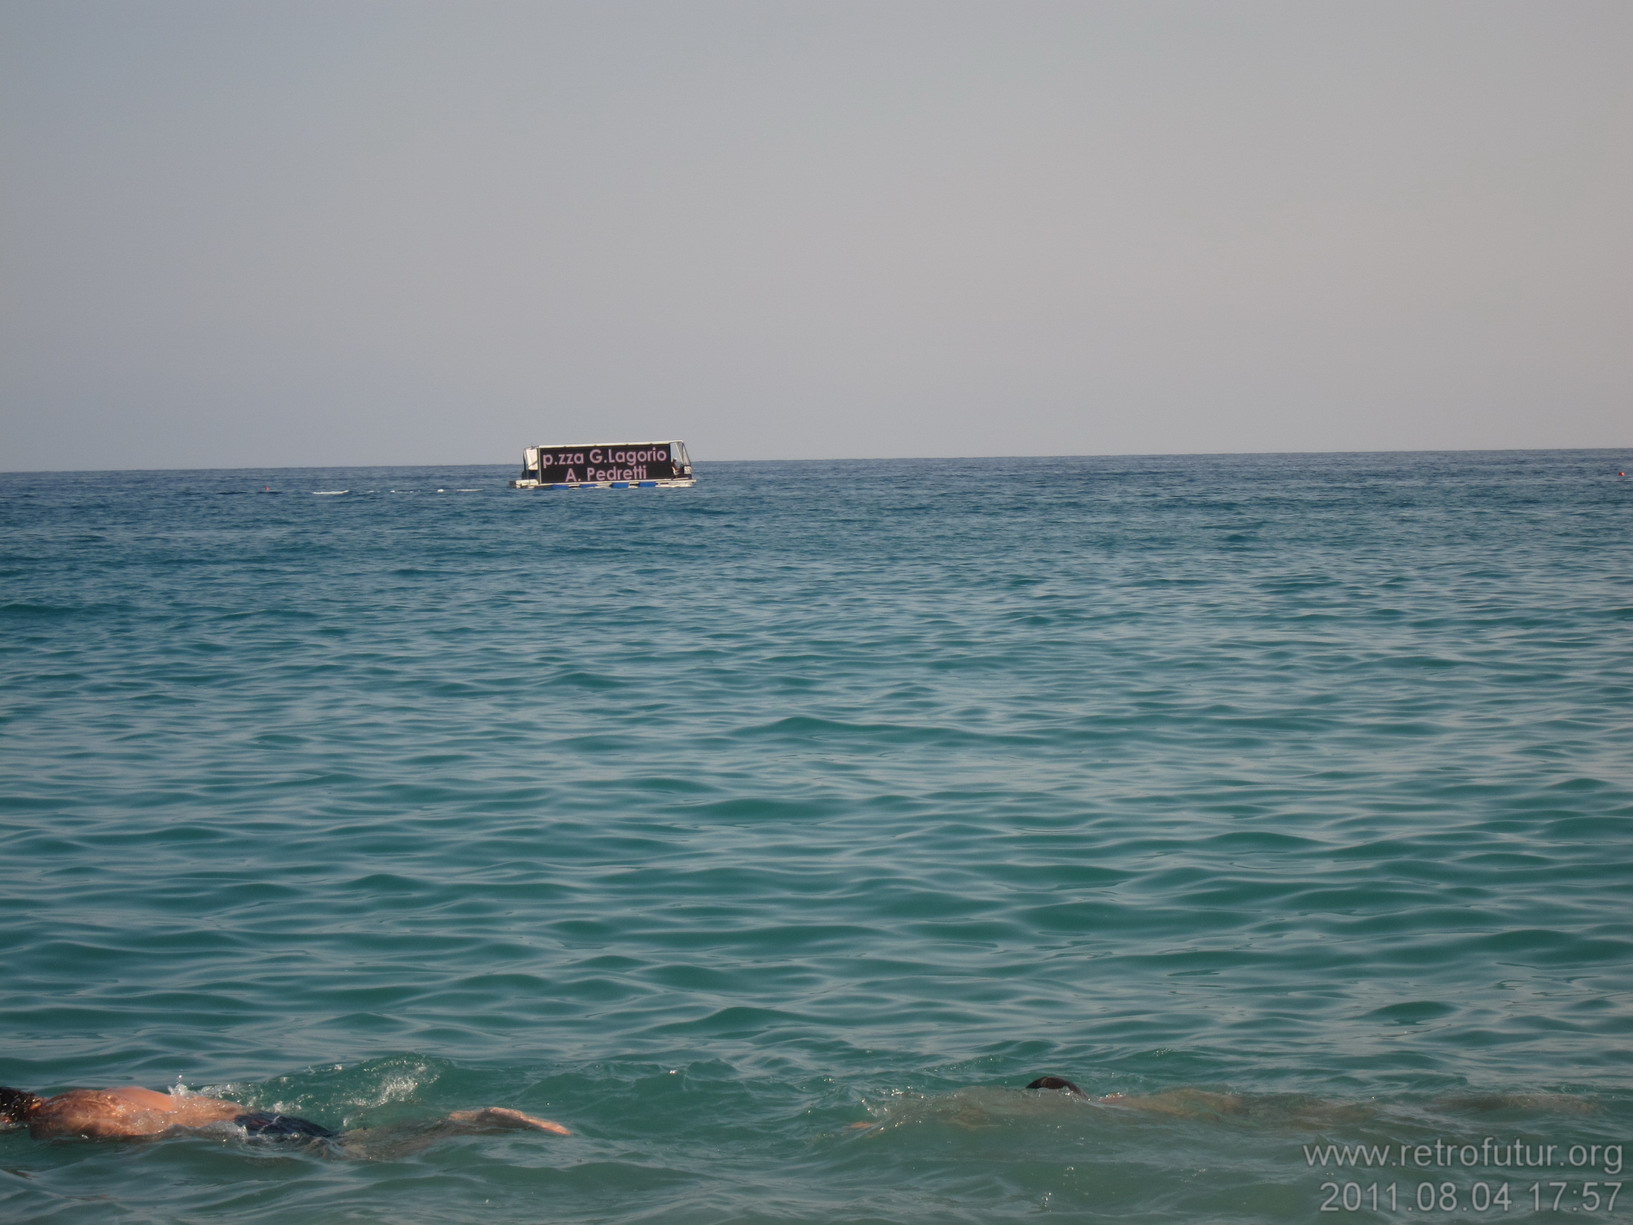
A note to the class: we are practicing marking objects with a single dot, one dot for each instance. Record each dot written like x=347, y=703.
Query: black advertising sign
x=623, y=461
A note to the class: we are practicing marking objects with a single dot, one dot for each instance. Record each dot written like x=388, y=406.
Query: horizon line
x=858, y=459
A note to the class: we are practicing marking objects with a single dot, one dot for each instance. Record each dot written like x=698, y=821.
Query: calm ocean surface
x=712, y=822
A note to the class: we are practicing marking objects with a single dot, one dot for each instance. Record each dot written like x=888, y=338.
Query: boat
x=606, y=465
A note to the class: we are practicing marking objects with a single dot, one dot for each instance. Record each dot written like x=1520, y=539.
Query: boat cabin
x=606, y=465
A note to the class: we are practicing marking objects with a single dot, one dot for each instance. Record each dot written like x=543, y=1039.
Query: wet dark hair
x=1056, y=1082
x=16, y=1105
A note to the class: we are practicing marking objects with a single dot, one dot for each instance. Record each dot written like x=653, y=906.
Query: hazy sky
x=242, y=233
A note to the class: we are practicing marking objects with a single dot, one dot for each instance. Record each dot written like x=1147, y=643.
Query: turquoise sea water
x=711, y=822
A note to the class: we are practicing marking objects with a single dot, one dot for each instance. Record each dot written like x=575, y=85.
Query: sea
x=772, y=835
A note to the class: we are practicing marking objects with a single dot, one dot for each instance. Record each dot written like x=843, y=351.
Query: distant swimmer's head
x=16, y=1106
x=1056, y=1082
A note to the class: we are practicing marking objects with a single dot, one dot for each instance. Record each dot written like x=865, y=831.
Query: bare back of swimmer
x=133, y=1114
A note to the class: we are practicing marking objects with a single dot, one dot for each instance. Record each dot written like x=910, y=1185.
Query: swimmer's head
x=16, y=1106
x=1056, y=1082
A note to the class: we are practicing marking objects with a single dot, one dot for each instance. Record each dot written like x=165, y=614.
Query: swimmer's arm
x=501, y=1118
x=385, y=1142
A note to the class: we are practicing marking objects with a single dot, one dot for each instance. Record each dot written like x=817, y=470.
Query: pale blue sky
x=304, y=232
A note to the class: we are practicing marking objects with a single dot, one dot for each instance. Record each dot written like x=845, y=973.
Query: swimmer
x=135, y=1114
x=976, y=1107
x=1170, y=1101
x=1056, y=1097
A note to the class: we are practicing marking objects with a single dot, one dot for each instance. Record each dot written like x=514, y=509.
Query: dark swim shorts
x=265, y=1126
